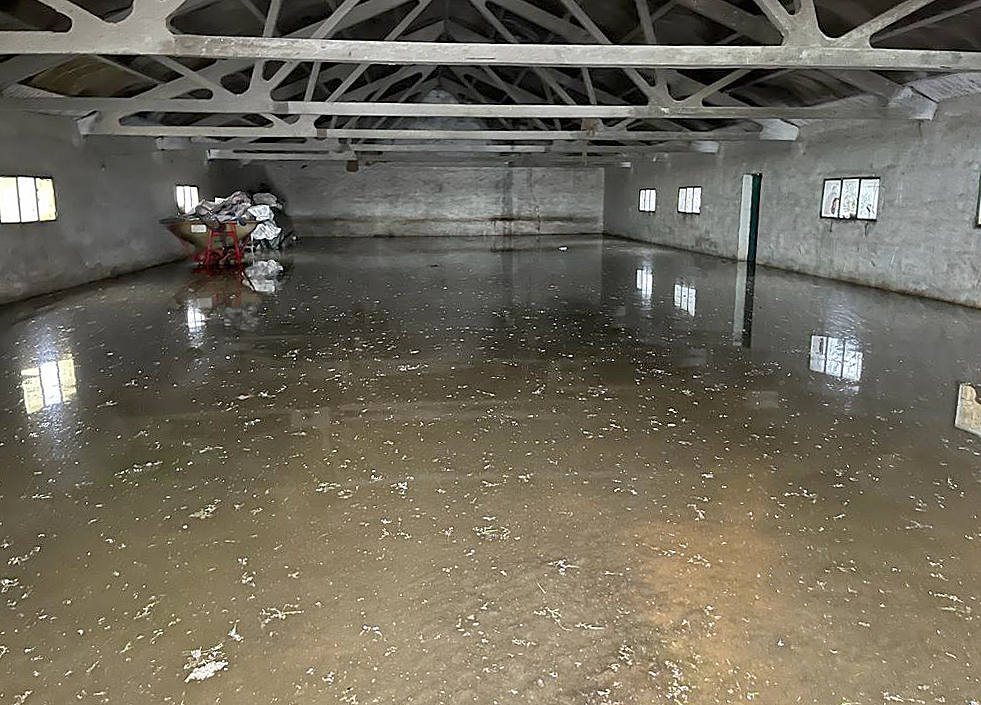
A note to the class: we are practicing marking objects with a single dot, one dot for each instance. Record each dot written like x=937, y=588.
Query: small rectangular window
x=27, y=194
x=27, y=199
x=690, y=200
x=187, y=198
x=854, y=198
x=648, y=200
x=9, y=203
x=47, y=211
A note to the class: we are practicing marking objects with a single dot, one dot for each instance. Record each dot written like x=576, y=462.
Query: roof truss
x=320, y=73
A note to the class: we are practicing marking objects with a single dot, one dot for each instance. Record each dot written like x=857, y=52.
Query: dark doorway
x=749, y=220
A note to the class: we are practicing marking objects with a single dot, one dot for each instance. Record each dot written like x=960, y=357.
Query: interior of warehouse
x=492, y=351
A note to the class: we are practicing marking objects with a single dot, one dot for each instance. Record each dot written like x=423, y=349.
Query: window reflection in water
x=685, y=297
x=195, y=317
x=969, y=410
x=837, y=357
x=645, y=284
x=51, y=384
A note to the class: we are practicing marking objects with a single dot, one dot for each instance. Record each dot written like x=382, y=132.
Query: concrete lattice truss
x=531, y=81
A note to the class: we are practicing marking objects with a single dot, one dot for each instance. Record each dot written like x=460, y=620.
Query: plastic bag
x=266, y=231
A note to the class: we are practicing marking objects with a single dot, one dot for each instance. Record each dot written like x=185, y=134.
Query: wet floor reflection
x=969, y=409
x=234, y=299
x=745, y=297
x=685, y=298
x=423, y=471
x=645, y=284
x=48, y=385
x=837, y=357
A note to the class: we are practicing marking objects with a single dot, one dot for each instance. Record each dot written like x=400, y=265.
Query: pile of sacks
x=240, y=207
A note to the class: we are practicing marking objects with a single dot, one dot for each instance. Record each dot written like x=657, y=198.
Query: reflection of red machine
x=227, y=297
x=232, y=289
x=212, y=244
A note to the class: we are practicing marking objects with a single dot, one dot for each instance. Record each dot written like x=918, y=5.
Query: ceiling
x=273, y=100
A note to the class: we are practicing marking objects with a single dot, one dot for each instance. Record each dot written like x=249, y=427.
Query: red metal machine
x=213, y=245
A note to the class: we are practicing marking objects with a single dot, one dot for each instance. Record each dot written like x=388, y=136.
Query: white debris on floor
x=205, y=663
x=264, y=269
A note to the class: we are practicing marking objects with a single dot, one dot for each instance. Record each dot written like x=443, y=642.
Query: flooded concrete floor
x=430, y=472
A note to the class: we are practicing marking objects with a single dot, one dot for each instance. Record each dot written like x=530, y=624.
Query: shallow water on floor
x=430, y=471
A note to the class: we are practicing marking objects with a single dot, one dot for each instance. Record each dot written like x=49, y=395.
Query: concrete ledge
x=854, y=281
x=312, y=226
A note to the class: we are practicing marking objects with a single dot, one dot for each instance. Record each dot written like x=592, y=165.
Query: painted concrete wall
x=396, y=200
x=110, y=194
x=925, y=241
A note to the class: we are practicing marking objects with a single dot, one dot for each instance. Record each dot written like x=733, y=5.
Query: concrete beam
x=558, y=140
x=660, y=94
x=246, y=105
x=310, y=132
x=346, y=151
x=758, y=29
x=129, y=38
x=447, y=158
